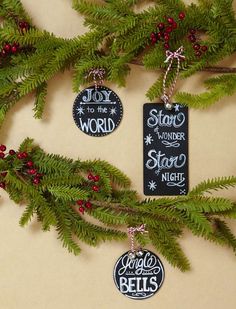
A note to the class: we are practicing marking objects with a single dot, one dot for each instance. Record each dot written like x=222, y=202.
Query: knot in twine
x=131, y=232
x=178, y=54
x=170, y=56
x=98, y=75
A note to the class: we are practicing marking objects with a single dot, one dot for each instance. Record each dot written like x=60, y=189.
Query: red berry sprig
x=94, y=178
x=196, y=46
x=83, y=205
x=24, y=26
x=164, y=31
x=3, y=148
x=28, y=168
x=9, y=49
x=86, y=205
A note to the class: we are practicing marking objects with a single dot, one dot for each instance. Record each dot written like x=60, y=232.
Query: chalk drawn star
x=182, y=191
x=80, y=110
x=152, y=185
x=148, y=140
x=176, y=107
x=113, y=111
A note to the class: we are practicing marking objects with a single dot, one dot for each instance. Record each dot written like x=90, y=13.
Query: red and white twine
x=98, y=75
x=131, y=232
x=170, y=56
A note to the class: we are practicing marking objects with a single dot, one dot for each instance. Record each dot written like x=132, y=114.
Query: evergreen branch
x=40, y=101
x=64, y=193
x=167, y=245
x=224, y=234
x=118, y=36
x=218, y=88
x=213, y=184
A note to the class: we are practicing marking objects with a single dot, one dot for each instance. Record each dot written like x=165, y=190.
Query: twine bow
x=170, y=56
x=131, y=232
x=97, y=75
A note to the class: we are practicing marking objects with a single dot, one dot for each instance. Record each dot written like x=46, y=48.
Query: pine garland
x=67, y=194
x=119, y=34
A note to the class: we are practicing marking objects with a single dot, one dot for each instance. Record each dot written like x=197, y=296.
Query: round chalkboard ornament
x=97, y=111
x=138, y=273
x=140, y=277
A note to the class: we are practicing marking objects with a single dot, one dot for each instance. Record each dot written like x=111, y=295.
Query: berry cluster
x=196, y=46
x=10, y=49
x=94, y=178
x=28, y=169
x=164, y=31
x=13, y=48
x=83, y=205
x=23, y=26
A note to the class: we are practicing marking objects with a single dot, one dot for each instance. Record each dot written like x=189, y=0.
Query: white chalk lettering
x=162, y=120
x=100, y=125
x=159, y=161
x=96, y=96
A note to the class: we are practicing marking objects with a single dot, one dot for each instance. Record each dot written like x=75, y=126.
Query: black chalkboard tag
x=139, y=278
x=97, y=111
x=165, y=147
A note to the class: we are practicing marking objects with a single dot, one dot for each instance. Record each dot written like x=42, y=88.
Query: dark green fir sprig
x=65, y=195
x=120, y=32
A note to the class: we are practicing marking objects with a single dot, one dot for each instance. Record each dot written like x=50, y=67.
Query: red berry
x=159, y=35
x=36, y=181
x=198, y=53
x=19, y=156
x=90, y=176
x=181, y=15
x=39, y=175
x=192, y=38
x=12, y=152
x=81, y=209
x=3, y=174
x=166, y=37
x=95, y=188
x=26, y=25
x=169, y=29
x=3, y=53
x=161, y=26
x=170, y=20
x=88, y=205
x=154, y=40
x=24, y=155
x=2, y=155
x=204, y=48
x=96, y=178
x=14, y=49
x=30, y=163
x=2, y=185
x=192, y=31
x=32, y=171
x=3, y=147
x=196, y=46
x=7, y=47
x=174, y=25
x=167, y=46
x=21, y=24
x=80, y=202
x=152, y=35
x=16, y=44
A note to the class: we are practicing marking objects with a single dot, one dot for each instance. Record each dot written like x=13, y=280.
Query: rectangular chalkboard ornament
x=165, y=144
